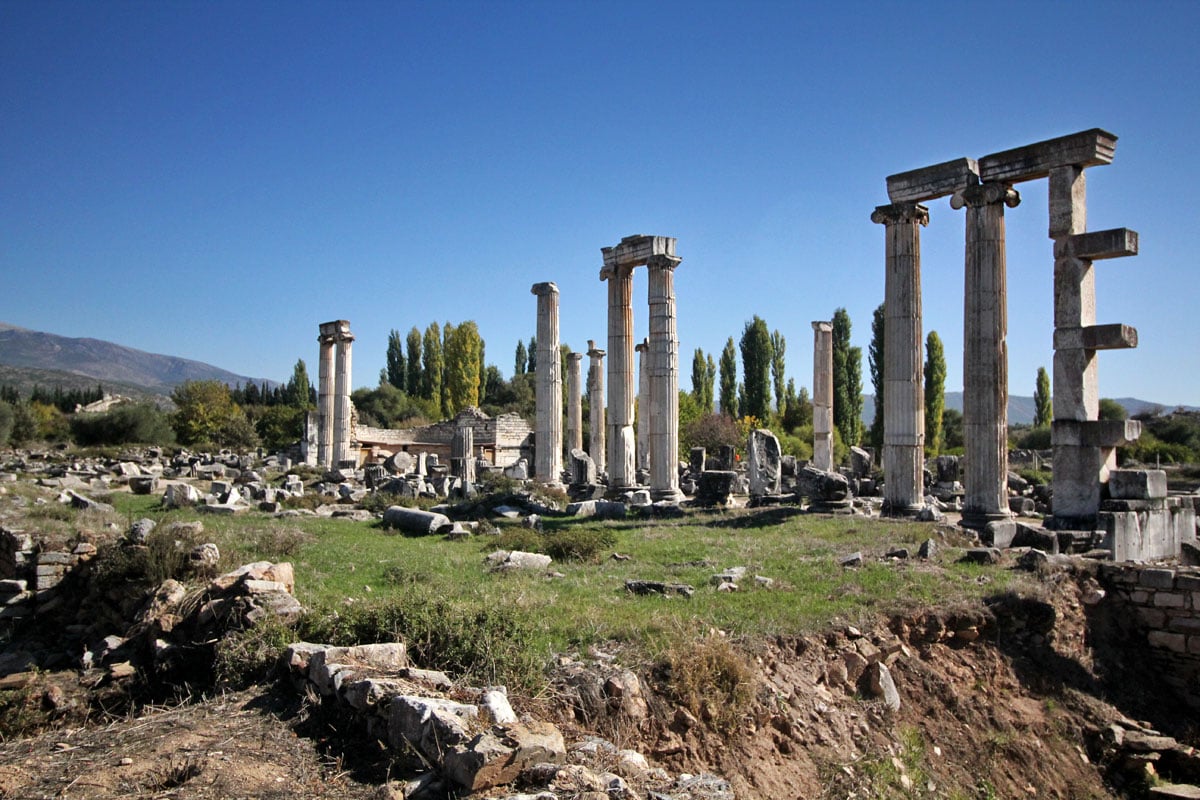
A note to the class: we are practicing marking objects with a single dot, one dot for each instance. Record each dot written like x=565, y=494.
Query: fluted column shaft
x=823, y=395
x=985, y=353
x=903, y=367
x=621, y=444
x=325, y=402
x=574, y=403
x=548, y=394
x=341, y=405
x=664, y=381
x=596, y=423
x=643, y=406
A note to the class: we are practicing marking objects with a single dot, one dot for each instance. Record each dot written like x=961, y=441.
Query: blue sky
x=214, y=179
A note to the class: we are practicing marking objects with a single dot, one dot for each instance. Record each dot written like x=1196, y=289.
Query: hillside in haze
x=1021, y=409
x=112, y=365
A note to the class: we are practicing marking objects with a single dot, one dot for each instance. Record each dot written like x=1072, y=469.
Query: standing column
x=548, y=444
x=326, y=339
x=574, y=403
x=903, y=379
x=664, y=380
x=621, y=445
x=643, y=405
x=985, y=354
x=595, y=388
x=823, y=395
x=341, y=389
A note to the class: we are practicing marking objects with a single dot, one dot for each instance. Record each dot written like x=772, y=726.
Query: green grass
x=343, y=565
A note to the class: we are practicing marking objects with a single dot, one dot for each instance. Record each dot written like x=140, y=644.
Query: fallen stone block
x=658, y=587
x=415, y=521
x=430, y=725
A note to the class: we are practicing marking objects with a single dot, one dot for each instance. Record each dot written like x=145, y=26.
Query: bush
x=142, y=423
x=569, y=544
x=1035, y=439
x=712, y=431
x=709, y=678
x=6, y=422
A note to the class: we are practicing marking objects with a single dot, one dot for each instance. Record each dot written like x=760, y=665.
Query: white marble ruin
x=823, y=395
x=657, y=253
x=548, y=439
x=595, y=390
x=643, y=404
x=334, y=410
x=574, y=403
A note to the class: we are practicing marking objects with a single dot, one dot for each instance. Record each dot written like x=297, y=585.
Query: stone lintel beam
x=1084, y=149
x=1096, y=337
x=335, y=330
x=930, y=183
x=1094, y=433
x=634, y=251
x=1096, y=245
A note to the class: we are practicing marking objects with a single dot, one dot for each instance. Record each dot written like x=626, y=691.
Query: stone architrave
x=643, y=405
x=985, y=354
x=664, y=381
x=548, y=394
x=574, y=403
x=823, y=395
x=903, y=369
x=595, y=390
x=325, y=396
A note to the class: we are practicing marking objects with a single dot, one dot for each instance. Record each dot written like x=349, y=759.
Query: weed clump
x=574, y=544
x=709, y=678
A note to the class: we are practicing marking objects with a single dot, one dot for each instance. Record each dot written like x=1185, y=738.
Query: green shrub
x=568, y=544
x=1035, y=439
x=143, y=423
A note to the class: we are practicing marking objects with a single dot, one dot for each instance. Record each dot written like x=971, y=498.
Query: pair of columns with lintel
x=657, y=253
x=1082, y=444
x=333, y=394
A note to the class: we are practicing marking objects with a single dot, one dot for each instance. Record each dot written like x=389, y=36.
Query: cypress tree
x=935, y=392
x=729, y=389
x=756, y=369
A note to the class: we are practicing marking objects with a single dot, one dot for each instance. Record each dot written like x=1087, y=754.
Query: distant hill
x=1021, y=409
x=51, y=360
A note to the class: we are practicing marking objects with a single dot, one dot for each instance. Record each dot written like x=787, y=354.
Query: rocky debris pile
x=1140, y=756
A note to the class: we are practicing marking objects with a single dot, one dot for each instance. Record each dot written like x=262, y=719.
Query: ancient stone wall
x=1163, y=606
x=506, y=438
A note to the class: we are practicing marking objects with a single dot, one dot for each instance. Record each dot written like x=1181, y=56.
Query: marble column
x=664, y=380
x=574, y=403
x=903, y=365
x=595, y=390
x=823, y=395
x=548, y=394
x=326, y=339
x=342, y=412
x=985, y=354
x=621, y=445
x=643, y=405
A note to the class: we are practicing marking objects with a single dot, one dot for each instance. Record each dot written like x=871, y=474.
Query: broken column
x=325, y=397
x=462, y=453
x=664, y=380
x=548, y=394
x=643, y=405
x=823, y=395
x=574, y=403
x=985, y=353
x=595, y=389
x=903, y=383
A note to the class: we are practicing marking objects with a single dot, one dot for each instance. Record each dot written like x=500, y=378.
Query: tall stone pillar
x=823, y=395
x=326, y=339
x=621, y=445
x=574, y=403
x=342, y=408
x=548, y=395
x=595, y=389
x=643, y=404
x=664, y=380
x=985, y=354
x=903, y=379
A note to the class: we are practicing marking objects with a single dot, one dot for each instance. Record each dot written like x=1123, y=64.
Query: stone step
x=1176, y=790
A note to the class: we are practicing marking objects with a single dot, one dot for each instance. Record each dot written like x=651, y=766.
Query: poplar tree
x=935, y=392
x=444, y=401
x=396, y=375
x=522, y=358
x=1043, y=409
x=756, y=369
x=461, y=375
x=729, y=388
x=298, y=391
x=875, y=362
x=847, y=381
x=431, y=365
x=778, y=348
x=709, y=383
x=699, y=376
x=532, y=363
x=412, y=381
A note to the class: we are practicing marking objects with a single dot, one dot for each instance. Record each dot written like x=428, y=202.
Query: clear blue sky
x=214, y=179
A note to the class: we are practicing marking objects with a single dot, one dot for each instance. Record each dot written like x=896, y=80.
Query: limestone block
x=430, y=725
x=764, y=463
x=1097, y=245
x=928, y=183
x=1142, y=484
x=1096, y=337
x=1084, y=149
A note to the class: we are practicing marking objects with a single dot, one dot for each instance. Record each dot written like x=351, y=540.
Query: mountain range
x=28, y=357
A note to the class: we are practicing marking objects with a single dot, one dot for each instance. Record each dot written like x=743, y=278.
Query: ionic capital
x=610, y=272
x=898, y=213
x=663, y=262
x=543, y=289
x=985, y=194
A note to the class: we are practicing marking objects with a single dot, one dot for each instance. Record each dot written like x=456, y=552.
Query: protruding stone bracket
x=1096, y=337
x=1097, y=245
x=1094, y=433
x=1088, y=148
x=930, y=183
